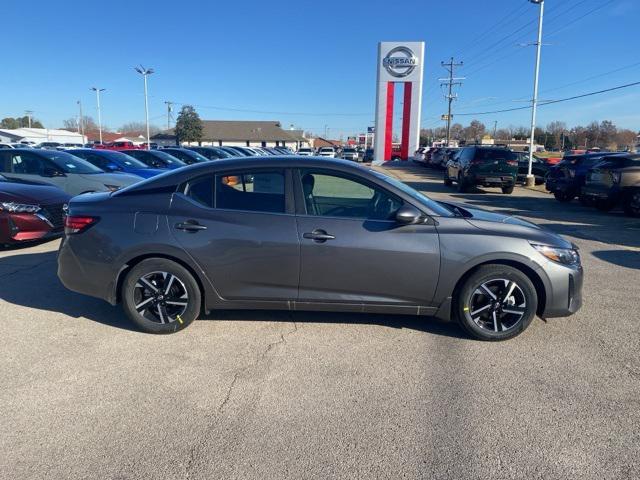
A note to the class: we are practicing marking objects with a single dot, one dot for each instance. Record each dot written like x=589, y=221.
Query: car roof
x=184, y=174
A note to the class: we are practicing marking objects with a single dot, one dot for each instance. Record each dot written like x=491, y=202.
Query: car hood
x=117, y=179
x=32, y=194
x=510, y=225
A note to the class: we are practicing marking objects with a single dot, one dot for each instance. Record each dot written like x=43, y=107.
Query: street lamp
x=530, y=177
x=145, y=72
x=98, y=90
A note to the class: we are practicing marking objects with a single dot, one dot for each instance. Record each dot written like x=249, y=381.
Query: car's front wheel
x=496, y=302
x=160, y=296
x=564, y=196
x=507, y=190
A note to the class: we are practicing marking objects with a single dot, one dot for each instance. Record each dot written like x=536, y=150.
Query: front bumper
x=560, y=185
x=564, y=292
x=25, y=227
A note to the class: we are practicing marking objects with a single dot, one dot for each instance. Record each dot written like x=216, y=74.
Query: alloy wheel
x=160, y=297
x=497, y=305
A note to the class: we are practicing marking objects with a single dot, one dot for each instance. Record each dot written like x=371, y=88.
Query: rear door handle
x=190, y=226
x=319, y=236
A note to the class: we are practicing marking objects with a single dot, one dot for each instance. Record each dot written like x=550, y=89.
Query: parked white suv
x=327, y=152
x=305, y=151
x=349, y=153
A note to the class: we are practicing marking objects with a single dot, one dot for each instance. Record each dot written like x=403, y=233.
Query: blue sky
x=313, y=63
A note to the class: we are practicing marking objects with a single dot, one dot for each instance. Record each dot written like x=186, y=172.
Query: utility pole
x=532, y=140
x=495, y=129
x=450, y=82
x=169, y=112
x=29, y=114
x=98, y=90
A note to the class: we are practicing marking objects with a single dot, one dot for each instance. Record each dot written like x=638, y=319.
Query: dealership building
x=240, y=133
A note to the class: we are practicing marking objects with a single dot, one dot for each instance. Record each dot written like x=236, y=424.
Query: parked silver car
x=65, y=171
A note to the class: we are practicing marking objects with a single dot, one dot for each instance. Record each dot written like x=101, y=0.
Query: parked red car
x=30, y=211
x=119, y=146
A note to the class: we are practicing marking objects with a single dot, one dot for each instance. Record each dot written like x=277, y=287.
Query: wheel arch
x=535, y=278
x=122, y=274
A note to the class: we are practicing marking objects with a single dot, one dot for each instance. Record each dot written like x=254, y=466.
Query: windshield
x=432, y=205
x=69, y=163
x=349, y=150
x=187, y=155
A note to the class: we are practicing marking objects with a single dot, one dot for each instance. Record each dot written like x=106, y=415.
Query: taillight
x=512, y=163
x=76, y=224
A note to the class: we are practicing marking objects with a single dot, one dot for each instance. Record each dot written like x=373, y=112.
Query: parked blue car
x=566, y=179
x=112, y=161
x=156, y=159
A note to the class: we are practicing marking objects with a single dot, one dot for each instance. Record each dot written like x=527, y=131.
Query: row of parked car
x=602, y=179
x=355, y=154
x=35, y=184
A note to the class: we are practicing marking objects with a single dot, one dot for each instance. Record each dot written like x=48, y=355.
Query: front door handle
x=190, y=226
x=319, y=236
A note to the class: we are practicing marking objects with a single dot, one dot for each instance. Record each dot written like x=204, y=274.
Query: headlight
x=19, y=207
x=112, y=188
x=565, y=256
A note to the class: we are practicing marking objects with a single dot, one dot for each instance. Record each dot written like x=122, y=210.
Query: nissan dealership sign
x=400, y=62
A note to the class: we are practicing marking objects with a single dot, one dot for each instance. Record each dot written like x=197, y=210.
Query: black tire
x=462, y=186
x=521, y=298
x=163, y=314
x=631, y=203
x=564, y=196
x=507, y=190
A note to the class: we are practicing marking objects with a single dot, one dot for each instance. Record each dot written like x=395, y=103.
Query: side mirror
x=407, y=215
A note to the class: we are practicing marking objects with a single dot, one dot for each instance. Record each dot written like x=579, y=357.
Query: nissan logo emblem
x=400, y=62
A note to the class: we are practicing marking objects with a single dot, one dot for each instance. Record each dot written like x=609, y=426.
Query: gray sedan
x=67, y=172
x=307, y=233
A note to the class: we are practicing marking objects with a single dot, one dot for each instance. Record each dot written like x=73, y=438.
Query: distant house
x=39, y=135
x=240, y=133
x=320, y=142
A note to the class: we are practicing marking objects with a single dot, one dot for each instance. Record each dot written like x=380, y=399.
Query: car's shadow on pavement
x=30, y=280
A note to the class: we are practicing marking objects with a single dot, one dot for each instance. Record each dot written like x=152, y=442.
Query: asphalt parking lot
x=319, y=395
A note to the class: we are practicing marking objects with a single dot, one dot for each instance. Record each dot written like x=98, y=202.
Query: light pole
x=29, y=114
x=532, y=141
x=81, y=124
x=98, y=90
x=145, y=72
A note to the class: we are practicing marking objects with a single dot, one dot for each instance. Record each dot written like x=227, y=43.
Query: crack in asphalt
x=259, y=358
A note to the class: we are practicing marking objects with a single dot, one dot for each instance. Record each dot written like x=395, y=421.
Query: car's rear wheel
x=496, y=302
x=507, y=190
x=631, y=204
x=564, y=196
x=160, y=296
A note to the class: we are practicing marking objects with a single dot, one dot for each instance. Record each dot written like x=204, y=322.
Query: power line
x=549, y=102
x=599, y=7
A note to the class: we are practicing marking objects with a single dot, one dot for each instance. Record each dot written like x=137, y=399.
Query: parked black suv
x=539, y=168
x=615, y=180
x=483, y=166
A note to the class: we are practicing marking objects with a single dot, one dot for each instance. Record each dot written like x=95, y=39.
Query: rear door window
x=25, y=163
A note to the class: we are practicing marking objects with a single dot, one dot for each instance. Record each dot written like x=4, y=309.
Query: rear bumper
x=493, y=180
